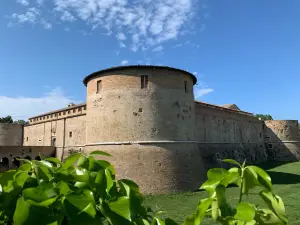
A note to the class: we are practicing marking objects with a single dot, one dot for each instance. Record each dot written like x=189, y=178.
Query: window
x=59, y=114
x=69, y=111
x=84, y=108
x=74, y=110
x=27, y=139
x=79, y=109
x=64, y=112
x=144, y=81
x=99, y=85
x=185, y=87
x=270, y=146
x=70, y=134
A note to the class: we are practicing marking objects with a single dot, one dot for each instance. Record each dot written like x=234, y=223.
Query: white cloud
x=122, y=45
x=120, y=36
x=199, y=92
x=144, y=23
x=25, y=107
x=66, y=16
x=40, y=2
x=31, y=16
x=158, y=49
x=23, y=2
x=124, y=62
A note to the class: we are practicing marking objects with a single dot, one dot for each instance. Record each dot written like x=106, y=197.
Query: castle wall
x=282, y=140
x=67, y=134
x=131, y=122
x=228, y=134
x=11, y=134
x=8, y=153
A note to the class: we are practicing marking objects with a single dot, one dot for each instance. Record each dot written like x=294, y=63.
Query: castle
x=146, y=117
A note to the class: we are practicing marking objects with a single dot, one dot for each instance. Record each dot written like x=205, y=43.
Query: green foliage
x=244, y=213
x=264, y=116
x=7, y=119
x=83, y=190
x=80, y=190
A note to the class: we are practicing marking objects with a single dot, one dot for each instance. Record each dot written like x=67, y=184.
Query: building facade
x=146, y=117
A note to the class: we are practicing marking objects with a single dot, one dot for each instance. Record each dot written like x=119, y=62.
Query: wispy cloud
x=124, y=62
x=158, y=49
x=23, y=2
x=143, y=24
x=30, y=16
x=201, y=88
x=25, y=107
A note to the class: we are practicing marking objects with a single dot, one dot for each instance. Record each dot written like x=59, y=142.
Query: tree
x=21, y=122
x=264, y=116
x=7, y=119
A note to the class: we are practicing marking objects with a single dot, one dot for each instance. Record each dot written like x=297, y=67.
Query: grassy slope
x=286, y=180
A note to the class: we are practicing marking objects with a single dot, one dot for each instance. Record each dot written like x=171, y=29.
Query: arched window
x=4, y=164
x=16, y=162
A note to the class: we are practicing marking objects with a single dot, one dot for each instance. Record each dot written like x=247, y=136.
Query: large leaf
x=232, y=161
x=275, y=204
x=216, y=173
x=62, y=188
x=43, y=195
x=262, y=177
x=250, y=180
x=245, y=212
x=26, y=214
x=80, y=208
x=223, y=205
x=70, y=160
x=267, y=217
x=6, y=178
x=121, y=207
x=53, y=160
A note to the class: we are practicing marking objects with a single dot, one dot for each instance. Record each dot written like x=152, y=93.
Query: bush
x=83, y=190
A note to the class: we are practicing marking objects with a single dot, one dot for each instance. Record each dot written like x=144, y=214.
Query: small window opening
x=144, y=81
x=270, y=146
x=260, y=135
x=70, y=134
x=27, y=139
x=99, y=85
x=74, y=110
x=64, y=112
x=185, y=87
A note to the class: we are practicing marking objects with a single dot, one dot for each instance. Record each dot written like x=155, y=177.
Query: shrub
x=83, y=190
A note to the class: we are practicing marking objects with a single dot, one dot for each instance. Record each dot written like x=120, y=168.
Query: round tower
x=145, y=117
x=282, y=139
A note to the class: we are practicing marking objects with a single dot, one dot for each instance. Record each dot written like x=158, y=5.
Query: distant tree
x=264, y=116
x=21, y=122
x=7, y=119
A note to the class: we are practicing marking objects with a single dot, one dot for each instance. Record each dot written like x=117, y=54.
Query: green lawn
x=286, y=180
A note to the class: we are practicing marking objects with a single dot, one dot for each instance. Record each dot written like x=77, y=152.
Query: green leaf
x=80, y=208
x=225, y=209
x=275, y=203
x=43, y=195
x=245, y=212
x=53, y=160
x=70, y=160
x=26, y=214
x=159, y=222
x=7, y=177
x=83, y=162
x=99, y=153
x=42, y=173
x=249, y=180
x=62, y=188
x=267, y=217
x=232, y=161
x=216, y=174
x=121, y=207
x=263, y=178
x=197, y=218
x=210, y=186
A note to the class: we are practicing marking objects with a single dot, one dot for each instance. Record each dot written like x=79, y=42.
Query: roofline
x=111, y=69
x=58, y=110
x=225, y=109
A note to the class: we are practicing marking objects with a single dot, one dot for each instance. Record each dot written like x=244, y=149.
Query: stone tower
x=144, y=116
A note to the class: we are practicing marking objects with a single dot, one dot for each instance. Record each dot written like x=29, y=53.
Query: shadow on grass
x=284, y=178
x=271, y=164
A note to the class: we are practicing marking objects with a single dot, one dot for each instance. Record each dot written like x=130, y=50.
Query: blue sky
x=243, y=52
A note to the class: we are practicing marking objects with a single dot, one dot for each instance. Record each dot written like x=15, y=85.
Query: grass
x=286, y=184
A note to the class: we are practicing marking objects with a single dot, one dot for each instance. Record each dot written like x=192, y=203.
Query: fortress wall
x=69, y=134
x=224, y=134
x=282, y=140
x=122, y=116
x=157, y=168
x=11, y=134
x=8, y=153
